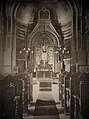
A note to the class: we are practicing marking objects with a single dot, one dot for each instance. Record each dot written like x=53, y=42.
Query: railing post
x=60, y=87
x=62, y=90
x=76, y=108
x=81, y=83
x=71, y=101
x=67, y=95
x=25, y=107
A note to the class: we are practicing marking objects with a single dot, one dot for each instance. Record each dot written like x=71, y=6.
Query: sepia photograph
x=44, y=59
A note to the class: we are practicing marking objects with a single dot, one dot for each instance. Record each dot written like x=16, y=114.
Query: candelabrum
x=61, y=51
x=26, y=51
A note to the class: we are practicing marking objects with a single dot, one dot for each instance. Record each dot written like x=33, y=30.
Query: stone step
x=46, y=117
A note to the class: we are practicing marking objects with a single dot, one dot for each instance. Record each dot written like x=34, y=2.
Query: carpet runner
x=45, y=109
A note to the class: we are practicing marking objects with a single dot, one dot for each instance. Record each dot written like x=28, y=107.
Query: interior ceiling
x=26, y=11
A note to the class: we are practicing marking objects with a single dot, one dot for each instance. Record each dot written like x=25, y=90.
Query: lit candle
x=20, y=52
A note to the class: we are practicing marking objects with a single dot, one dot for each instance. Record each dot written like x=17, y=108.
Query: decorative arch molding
x=50, y=35
x=74, y=9
x=74, y=40
x=13, y=37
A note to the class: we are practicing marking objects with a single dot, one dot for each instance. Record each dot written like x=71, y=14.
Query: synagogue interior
x=44, y=59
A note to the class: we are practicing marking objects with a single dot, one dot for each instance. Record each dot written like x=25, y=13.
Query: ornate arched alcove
x=43, y=34
x=63, y=15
